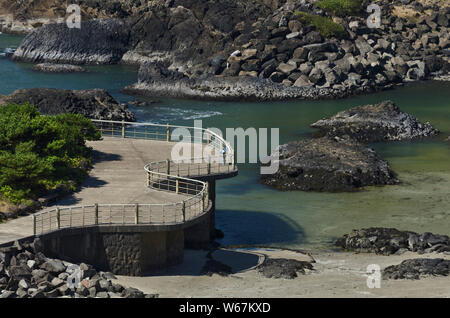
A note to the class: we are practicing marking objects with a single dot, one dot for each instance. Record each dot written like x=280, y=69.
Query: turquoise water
x=251, y=213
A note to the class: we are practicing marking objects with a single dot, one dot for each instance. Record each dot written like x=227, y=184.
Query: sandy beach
x=336, y=274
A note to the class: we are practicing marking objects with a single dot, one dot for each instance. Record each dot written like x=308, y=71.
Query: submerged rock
x=92, y=103
x=372, y=123
x=389, y=241
x=58, y=68
x=417, y=268
x=96, y=42
x=328, y=164
x=283, y=268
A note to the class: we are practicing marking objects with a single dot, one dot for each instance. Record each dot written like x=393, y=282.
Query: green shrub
x=38, y=153
x=341, y=7
x=325, y=26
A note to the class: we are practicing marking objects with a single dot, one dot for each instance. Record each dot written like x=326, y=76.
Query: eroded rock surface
x=328, y=164
x=389, y=241
x=27, y=273
x=371, y=123
x=92, y=103
x=283, y=268
x=418, y=268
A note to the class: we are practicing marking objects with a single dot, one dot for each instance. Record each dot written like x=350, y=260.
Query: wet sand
x=337, y=274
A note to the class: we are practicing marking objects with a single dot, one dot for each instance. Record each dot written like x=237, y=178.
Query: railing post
x=34, y=224
x=136, y=214
x=149, y=180
x=167, y=133
x=183, y=209
x=123, y=129
x=96, y=214
x=168, y=166
x=209, y=166
x=177, y=186
x=58, y=218
x=203, y=202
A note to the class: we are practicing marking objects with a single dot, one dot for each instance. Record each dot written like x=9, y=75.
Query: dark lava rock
x=283, y=268
x=388, y=241
x=155, y=80
x=96, y=42
x=328, y=164
x=372, y=123
x=214, y=267
x=417, y=268
x=58, y=68
x=92, y=103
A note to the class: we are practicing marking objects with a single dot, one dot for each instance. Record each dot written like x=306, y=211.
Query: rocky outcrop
x=96, y=42
x=371, y=123
x=58, y=68
x=27, y=273
x=267, y=40
x=390, y=241
x=418, y=268
x=157, y=80
x=328, y=164
x=93, y=103
x=283, y=268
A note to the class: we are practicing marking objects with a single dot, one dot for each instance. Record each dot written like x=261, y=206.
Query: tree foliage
x=38, y=153
x=341, y=7
x=326, y=27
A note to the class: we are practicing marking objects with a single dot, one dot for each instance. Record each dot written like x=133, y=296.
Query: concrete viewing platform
x=118, y=182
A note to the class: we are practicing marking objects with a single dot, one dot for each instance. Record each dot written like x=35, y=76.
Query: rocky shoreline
x=27, y=273
x=92, y=103
x=259, y=50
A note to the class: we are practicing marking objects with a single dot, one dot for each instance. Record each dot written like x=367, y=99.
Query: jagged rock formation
x=328, y=164
x=92, y=103
x=27, y=273
x=97, y=42
x=283, y=268
x=390, y=241
x=371, y=123
x=264, y=39
x=418, y=268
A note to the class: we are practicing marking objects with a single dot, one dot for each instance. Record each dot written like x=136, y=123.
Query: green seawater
x=253, y=214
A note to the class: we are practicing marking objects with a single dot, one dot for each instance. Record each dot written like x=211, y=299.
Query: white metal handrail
x=168, y=175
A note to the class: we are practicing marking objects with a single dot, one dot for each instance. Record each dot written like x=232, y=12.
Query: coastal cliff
x=256, y=49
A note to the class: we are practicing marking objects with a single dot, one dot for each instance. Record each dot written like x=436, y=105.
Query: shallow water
x=253, y=214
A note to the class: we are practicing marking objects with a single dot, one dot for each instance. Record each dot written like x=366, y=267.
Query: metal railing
x=168, y=175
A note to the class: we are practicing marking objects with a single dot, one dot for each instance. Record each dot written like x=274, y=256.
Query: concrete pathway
x=118, y=177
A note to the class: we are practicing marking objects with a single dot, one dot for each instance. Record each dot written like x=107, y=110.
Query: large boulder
x=371, y=123
x=96, y=42
x=328, y=164
x=92, y=103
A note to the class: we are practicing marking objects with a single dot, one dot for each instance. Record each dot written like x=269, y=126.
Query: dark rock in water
x=417, y=268
x=92, y=103
x=283, y=268
x=58, y=68
x=96, y=42
x=328, y=164
x=389, y=241
x=156, y=80
x=372, y=123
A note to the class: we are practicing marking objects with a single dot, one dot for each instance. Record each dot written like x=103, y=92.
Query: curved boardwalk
x=118, y=177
